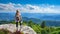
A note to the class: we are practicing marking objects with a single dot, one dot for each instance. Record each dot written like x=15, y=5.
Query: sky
x=30, y=6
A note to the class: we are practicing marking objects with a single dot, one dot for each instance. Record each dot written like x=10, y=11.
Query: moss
x=4, y=31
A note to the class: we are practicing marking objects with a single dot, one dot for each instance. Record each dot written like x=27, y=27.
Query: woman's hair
x=17, y=11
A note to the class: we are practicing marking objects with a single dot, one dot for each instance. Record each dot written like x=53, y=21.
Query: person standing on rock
x=18, y=19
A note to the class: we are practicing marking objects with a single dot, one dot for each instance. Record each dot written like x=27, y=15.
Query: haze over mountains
x=51, y=19
x=41, y=16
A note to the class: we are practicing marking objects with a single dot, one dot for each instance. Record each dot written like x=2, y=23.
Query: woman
x=18, y=18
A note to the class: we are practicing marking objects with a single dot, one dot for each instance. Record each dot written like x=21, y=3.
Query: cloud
x=10, y=7
x=28, y=8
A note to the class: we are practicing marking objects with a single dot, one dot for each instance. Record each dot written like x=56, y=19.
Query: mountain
x=32, y=19
x=41, y=16
x=51, y=19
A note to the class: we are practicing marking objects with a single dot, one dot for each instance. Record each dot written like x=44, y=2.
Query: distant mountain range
x=51, y=19
x=41, y=16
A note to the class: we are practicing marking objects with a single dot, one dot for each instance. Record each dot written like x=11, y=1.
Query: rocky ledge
x=12, y=28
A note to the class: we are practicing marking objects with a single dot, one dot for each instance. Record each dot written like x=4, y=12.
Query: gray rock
x=12, y=28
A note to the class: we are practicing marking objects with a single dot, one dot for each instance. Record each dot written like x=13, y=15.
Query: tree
x=43, y=24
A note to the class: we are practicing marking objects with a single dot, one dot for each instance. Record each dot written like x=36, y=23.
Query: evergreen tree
x=43, y=24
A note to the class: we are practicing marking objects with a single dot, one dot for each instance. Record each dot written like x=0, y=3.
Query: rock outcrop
x=12, y=28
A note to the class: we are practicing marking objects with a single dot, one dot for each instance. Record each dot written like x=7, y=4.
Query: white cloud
x=27, y=8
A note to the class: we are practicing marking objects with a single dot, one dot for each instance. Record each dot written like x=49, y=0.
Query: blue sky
x=30, y=6
x=54, y=2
